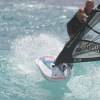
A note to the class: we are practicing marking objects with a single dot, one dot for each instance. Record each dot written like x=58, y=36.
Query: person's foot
x=63, y=67
x=56, y=72
x=61, y=71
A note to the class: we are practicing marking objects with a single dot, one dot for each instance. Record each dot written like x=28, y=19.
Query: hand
x=84, y=17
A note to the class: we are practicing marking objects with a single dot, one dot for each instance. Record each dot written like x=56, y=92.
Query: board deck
x=51, y=73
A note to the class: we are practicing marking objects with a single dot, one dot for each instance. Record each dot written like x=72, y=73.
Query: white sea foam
x=24, y=50
x=86, y=86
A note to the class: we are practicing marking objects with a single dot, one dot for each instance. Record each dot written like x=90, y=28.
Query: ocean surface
x=30, y=29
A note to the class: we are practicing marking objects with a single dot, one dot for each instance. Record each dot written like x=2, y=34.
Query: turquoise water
x=28, y=31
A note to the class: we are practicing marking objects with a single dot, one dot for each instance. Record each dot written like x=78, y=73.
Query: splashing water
x=24, y=50
x=29, y=31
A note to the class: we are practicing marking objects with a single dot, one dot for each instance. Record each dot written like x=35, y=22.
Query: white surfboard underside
x=45, y=66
